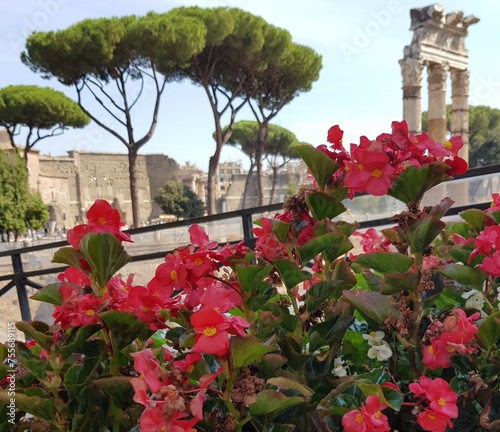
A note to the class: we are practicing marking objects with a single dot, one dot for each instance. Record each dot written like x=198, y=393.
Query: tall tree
x=44, y=112
x=278, y=152
x=19, y=207
x=234, y=42
x=177, y=199
x=108, y=60
x=286, y=76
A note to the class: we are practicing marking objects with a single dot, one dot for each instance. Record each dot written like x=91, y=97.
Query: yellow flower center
x=377, y=414
x=376, y=173
x=101, y=220
x=90, y=312
x=144, y=309
x=373, y=334
x=441, y=402
x=210, y=331
x=430, y=348
x=431, y=416
x=359, y=418
x=190, y=368
x=447, y=145
x=360, y=166
x=163, y=428
x=198, y=262
x=173, y=275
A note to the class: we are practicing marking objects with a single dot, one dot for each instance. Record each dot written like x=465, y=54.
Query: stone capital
x=412, y=72
x=459, y=82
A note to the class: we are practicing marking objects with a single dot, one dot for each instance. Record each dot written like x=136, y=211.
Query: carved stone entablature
x=439, y=37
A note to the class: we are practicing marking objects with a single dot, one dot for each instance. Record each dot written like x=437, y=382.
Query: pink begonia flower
x=491, y=265
x=199, y=238
x=432, y=421
x=148, y=367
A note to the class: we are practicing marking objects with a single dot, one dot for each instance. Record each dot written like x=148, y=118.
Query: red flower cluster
x=487, y=243
x=438, y=403
x=101, y=218
x=371, y=166
x=452, y=336
x=166, y=392
x=368, y=419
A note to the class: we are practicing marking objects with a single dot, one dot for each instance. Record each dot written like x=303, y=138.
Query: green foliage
x=177, y=199
x=19, y=208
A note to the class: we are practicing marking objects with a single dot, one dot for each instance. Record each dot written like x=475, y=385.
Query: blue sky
x=359, y=86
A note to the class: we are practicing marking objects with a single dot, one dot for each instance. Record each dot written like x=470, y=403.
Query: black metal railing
x=21, y=279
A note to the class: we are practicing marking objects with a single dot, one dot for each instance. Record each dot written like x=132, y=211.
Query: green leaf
x=269, y=401
x=423, y=232
x=118, y=388
x=388, y=396
x=475, y=218
x=489, y=331
x=246, y=351
x=409, y=187
x=331, y=245
x=466, y=276
x=373, y=306
x=37, y=406
x=324, y=206
x=250, y=277
x=321, y=166
x=49, y=294
x=394, y=283
x=287, y=384
x=77, y=339
x=385, y=262
x=124, y=327
x=338, y=404
x=325, y=332
x=36, y=330
x=290, y=273
x=495, y=216
x=33, y=364
x=69, y=256
x=105, y=255
x=318, y=293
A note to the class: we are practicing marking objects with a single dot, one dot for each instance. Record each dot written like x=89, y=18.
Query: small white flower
x=338, y=368
x=475, y=300
x=380, y=352
x=374, y=338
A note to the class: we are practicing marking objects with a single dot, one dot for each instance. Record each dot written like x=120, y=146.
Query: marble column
x=411, y=70
x=460, y=108
x=436, y=113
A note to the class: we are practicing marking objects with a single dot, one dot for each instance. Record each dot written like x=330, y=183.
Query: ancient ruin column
x=436, y=113
x=412, y=77
x=460, y=108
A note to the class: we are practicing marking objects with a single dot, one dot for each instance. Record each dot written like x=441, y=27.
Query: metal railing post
x=246, y=222
x=22, y=295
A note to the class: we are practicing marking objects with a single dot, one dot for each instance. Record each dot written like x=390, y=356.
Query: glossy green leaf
x=423, y=232
x=250, y=277
x=36, y=330
x=32, y=363
x=318, y=293
x=411, y=184
x=124, y=327
x=290, y=273
x=373, y=306
x=324, y=206
x=269, y=401
x=394, y=283
x=388, y=396
x=489, y=331
x=37, y=406
x=338, y=405
x=67, y=255
x=287, y=384
x=246, y=351
x=49, y=294
x=494, y=215
x=331, y=245
x=77, y=339
x=385, y=262
x=320, y=165
x=466, y=276
x=475, y=218
x=105, y=255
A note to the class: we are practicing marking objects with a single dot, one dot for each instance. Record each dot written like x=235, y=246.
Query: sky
x=359, y=87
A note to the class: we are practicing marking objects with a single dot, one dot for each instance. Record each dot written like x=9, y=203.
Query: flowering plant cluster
x=302, y=333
